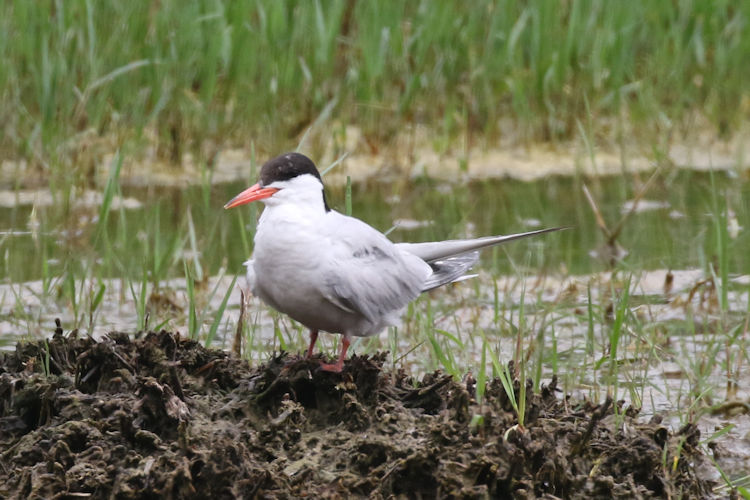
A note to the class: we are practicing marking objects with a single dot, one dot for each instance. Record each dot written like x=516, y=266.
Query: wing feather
x=365, y=273
x=435, y=250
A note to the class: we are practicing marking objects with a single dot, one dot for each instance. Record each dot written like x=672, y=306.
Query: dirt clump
x=162, y=417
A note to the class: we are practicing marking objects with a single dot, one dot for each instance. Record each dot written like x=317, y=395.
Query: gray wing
x=450, y=259
x=364, y=273
x=436, y=250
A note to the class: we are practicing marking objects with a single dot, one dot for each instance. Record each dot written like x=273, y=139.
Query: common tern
x=335, y=273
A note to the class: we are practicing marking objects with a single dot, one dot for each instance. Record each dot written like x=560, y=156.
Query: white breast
x=289, y=251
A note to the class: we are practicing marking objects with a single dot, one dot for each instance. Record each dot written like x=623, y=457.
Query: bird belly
x=309, y=307
x=286, y=264
x=286, y=279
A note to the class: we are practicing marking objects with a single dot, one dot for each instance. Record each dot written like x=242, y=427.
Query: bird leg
x=339, y=364
x=313, y=339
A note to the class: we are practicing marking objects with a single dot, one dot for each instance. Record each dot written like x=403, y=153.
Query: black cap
x=287, y=166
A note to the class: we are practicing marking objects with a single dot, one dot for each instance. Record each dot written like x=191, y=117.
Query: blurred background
x=127, y=125
x=163, y=80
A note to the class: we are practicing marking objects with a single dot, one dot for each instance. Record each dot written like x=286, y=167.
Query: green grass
x=82, y=80
x=79, y=79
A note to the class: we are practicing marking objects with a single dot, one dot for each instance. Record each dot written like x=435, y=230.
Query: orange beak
x=253, y=193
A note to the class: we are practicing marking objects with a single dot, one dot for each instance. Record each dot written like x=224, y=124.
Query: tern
x=335, y=273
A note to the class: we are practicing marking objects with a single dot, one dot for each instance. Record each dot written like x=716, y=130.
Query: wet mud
x=162, y=417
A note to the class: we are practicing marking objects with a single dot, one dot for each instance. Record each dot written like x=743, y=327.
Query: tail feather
x=450, y=269
x=434, y=250
x=449, y=260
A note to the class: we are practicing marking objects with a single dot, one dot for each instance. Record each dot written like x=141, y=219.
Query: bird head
x=289, y=178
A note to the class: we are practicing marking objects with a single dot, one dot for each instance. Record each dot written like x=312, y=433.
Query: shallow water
x=672, y=226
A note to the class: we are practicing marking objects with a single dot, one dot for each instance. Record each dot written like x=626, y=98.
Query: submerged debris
x=164, y=417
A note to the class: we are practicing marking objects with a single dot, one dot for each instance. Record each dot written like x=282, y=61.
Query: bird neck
x=304, y=192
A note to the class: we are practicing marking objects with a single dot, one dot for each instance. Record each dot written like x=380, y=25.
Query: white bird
x=334, y=273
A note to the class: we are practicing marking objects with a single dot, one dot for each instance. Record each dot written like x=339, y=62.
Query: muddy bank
x=162, y=417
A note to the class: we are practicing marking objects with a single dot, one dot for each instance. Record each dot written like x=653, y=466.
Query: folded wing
x=435, y=250
x=451, y=259
x=365, y=273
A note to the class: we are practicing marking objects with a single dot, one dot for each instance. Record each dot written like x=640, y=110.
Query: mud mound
x=162, y=417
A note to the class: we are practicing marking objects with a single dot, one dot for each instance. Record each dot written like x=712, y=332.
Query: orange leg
x=339, y=364
x=313, y=339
